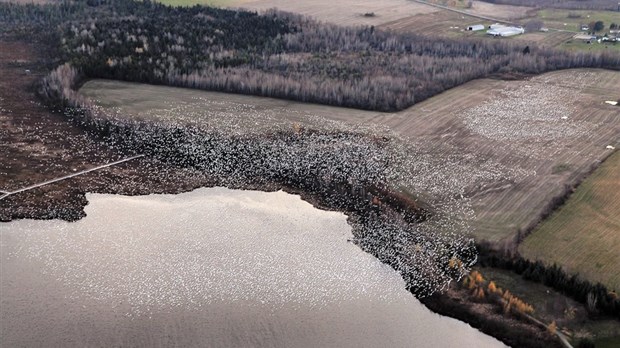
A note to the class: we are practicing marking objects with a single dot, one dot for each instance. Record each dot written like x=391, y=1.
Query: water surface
x=213, y=267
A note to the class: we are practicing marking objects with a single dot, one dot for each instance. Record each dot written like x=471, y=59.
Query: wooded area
x=597, y=298
x=276, y=54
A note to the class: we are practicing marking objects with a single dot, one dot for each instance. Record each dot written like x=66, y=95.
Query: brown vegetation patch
x=442, y=22
x=547, y=39
x=346, y=12
x=459, y=303
x=507, y=12
x=38, y=145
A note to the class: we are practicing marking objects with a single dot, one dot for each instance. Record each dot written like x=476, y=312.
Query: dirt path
x=28, y=188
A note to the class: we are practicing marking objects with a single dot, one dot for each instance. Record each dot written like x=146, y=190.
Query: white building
x=476, y=27
x=502, y=30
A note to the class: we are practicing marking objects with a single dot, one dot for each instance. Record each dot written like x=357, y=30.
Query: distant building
x=584, y=37
x=502, y=30
x=476, y=27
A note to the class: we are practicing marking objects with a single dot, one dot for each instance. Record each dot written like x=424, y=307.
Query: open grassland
x=508, y=147
x=572, y=19
x=580, y=45
x=584, y=234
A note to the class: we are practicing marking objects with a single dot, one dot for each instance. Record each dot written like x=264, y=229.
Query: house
x=476, y=27
x=504, y=31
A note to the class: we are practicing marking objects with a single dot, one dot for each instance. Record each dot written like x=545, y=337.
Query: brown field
x=442, y=22
x=584, y=234
x=506, y=12
x=344, y=12
x=508, y=147
x=548, y=39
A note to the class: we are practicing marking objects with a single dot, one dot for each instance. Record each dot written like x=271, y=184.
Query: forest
x=274, y=54
x=610, y=5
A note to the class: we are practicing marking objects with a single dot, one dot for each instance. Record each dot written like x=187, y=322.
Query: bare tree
x=533, y=25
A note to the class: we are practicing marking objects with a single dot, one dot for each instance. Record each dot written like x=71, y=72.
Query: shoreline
x=448, y=303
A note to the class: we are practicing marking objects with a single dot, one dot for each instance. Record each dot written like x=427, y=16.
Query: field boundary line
x=27, y=188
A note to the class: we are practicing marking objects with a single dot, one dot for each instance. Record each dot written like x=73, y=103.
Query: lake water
x=209, y=268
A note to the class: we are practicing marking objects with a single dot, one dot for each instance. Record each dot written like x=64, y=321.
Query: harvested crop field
x=506, y=147
x=442, y=22
x=546, y=39
x=584, y=234
x=344, y=12
x=507, y=12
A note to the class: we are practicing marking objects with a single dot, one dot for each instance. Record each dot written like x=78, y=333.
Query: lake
x=209, y=268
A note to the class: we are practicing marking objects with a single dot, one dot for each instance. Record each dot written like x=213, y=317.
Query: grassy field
x=494, y=142
x=559, y=19
x=549, y=305
x=584, y=234
x=579, y=45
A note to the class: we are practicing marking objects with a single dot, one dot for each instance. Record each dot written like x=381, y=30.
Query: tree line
x=276, y=54
x=597, y=298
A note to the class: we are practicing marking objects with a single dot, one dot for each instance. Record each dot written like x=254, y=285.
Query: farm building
x=476, y=27
x=501, y=30
x=584, y=37
x=496, y=25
